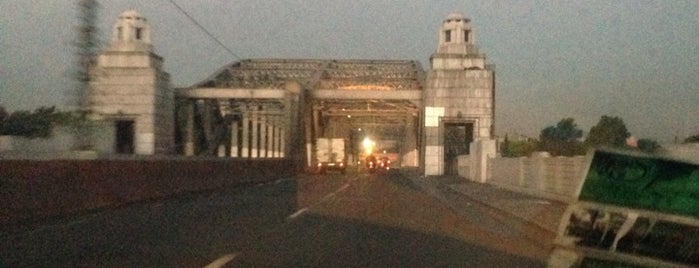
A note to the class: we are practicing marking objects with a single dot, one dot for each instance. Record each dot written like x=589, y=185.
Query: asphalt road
x=353, y=220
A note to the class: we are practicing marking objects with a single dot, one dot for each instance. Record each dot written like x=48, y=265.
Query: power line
x=204, y=29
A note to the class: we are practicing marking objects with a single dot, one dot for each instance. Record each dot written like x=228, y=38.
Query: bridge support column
x=263, y=136
x=234, y=139
x=254, y=148
x=189, y=129
x=245, y=135
x=316, y=125
x=409, y=149
x=275, y=141
x=282, y=143
x=268, y=144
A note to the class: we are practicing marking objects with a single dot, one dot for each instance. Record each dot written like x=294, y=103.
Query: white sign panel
x=432, y=115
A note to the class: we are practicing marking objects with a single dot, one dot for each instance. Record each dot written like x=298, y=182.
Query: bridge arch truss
x=276, y=108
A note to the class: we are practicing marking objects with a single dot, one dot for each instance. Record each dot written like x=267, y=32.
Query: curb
x=433, y=189
x=503, y=211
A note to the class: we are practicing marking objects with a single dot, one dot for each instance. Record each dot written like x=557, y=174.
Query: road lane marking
x=298, y=213
x=223, y=260
x=324, y=199
x=328, y=196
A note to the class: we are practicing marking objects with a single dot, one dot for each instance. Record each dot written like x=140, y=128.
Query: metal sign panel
x=633, y=211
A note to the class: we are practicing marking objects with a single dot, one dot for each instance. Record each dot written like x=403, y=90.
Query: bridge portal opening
x=457, y=137
x=390, y=124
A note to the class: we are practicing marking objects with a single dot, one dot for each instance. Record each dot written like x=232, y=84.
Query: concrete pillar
x=254, y=148
x=263, y=136
x=270, y=136
x=409, y=148
x=207, y=122
x=189, y=129
x=221, y=152
x=316, y=125
x=433, y=141
x=276, y=141
x=234, y=139
x=279, y=140
x=282, y=143
x=245, y=150
x=480, y=153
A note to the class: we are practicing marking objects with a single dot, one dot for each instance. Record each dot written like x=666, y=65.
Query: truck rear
x=330, y=155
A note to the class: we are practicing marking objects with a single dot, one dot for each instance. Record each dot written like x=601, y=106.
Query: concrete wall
x=61, y=144
x=556, y=178
x=34, y=190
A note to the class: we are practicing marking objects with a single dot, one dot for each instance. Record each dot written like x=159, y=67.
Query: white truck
x=330, y=155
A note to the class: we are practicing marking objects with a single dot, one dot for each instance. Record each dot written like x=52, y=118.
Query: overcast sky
x=638, y=60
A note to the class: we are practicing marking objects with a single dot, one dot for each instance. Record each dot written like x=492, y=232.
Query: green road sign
x=633, y=211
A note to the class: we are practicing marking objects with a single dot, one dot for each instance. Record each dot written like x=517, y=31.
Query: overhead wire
x=204, y=29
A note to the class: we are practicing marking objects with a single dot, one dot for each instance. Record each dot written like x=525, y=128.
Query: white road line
x=298, y=213
x=324, y=199
x=220, y=262
x=328, y=196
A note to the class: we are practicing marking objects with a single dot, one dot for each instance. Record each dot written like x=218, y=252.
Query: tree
x=562, y=139
x=565, y=130
x=518, y=148
x=692, y=139
x=3, y=116
x=648, y=146
x=37, y=124
x=609, y=131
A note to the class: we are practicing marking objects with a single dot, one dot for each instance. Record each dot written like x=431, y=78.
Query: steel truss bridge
x=275, y=108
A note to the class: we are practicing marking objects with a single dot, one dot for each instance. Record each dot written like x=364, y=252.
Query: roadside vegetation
x=566, y=139
x=39, y=123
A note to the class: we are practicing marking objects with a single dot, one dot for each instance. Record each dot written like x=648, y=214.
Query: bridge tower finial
x=131, y=32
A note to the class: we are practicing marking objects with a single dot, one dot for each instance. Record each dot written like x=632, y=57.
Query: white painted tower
x=459, y=97
x=131, y=91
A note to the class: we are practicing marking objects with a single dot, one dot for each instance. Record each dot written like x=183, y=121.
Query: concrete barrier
x=31, y=190
x=555, y=178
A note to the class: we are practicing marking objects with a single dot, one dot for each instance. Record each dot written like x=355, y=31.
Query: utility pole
x=86, y=44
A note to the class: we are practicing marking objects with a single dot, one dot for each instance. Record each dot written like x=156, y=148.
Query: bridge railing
x=37, y=189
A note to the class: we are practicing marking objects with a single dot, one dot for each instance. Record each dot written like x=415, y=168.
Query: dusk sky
x=638, y=60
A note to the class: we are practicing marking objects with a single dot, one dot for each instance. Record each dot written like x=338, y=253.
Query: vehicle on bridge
x=377, y=155
x=371, y=163
x=374, y=164
x=330, y=155
x=384, y=163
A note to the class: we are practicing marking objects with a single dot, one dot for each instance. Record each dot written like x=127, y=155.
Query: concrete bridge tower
x=459, y=97
x=131, y=92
